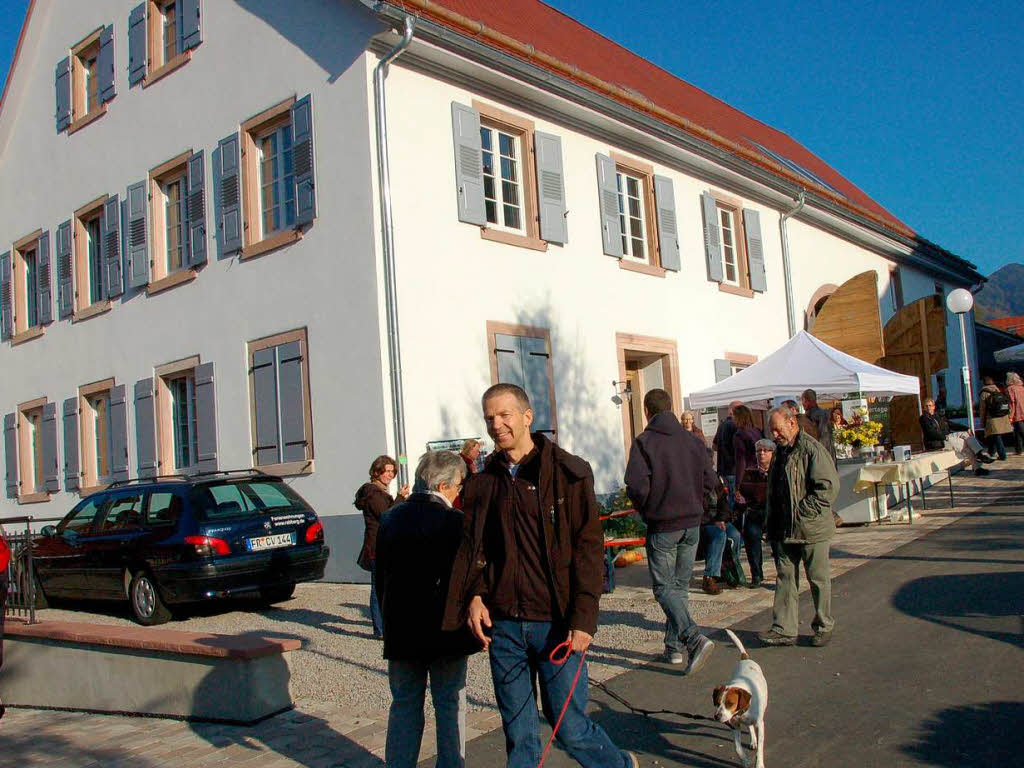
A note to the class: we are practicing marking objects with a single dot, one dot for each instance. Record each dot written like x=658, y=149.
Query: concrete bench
x=148, y=671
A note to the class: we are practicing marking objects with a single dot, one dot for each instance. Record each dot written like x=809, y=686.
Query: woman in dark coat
x=743, y=441
x=373, y=500
x=751, y=497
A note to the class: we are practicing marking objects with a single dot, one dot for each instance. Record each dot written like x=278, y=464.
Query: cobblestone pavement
x=327, y=733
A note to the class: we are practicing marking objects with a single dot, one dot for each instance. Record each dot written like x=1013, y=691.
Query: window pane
x=507, y=144
x=173, y=216
x=490, y=188
x=183, y=395
x=512, y=217
x=164, y=509
x=638, y=248
x=92, y=230
x=170, y=32
x=81, y=519
x=92, y=85
x=485, y=138
x=35, y=422
x=273, y=496
x=125, y=512
x=32, y=308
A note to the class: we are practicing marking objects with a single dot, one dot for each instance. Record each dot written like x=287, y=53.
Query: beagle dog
x=742, y=702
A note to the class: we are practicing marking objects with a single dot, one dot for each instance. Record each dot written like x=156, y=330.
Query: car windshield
x=218, y=501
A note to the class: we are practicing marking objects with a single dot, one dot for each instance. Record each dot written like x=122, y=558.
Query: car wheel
x=277, y=594
x=147, y=607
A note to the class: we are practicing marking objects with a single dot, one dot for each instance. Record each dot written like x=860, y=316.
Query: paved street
x=926, y=668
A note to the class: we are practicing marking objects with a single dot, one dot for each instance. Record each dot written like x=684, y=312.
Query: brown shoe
x=711, y=586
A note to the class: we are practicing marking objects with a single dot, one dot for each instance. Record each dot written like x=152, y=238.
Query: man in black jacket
x=416, y=544
x=667, y=477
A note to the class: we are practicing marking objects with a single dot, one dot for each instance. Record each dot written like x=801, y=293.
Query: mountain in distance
x=1002, y=295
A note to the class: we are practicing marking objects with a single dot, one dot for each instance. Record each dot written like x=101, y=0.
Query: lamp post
x=960, y=303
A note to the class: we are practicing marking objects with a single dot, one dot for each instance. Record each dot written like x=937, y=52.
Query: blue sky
x=919, y=104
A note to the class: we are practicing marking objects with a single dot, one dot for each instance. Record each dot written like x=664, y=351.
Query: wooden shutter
x=668, y=228
x=302, y=143
x=119, y=432
x=551, y=188
x=538, y=383
x=469, y=169
x=196, y=209
x=608, y=194
x=105, y=64
x=723, y=369
x=6, y=298
x=72, y=464
x=145, y=428
x=44, y=292
x=10, y=444
x=188, y=13
x=65, y=271
x=712, y=238
x=111, y=248
x=51, y=463
x=206, y=418
x=138, y=242
x=264, y=380
x=137, y=53
x=230, y=214
x=62, y=86
x=291, y=405
x=755, y=250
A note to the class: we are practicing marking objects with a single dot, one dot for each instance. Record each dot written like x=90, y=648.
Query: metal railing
x=21, y=589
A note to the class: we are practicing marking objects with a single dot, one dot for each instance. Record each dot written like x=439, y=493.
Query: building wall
x=252, y=56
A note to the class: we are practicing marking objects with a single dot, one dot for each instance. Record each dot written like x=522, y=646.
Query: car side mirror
x=49, y=531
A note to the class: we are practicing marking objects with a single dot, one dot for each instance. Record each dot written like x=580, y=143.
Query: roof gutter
x=380, y=73
x=786, y=268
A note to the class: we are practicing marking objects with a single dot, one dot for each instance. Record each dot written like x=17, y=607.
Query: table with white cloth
x=902, y=473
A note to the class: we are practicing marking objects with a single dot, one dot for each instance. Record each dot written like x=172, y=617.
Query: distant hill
x=1003, y=294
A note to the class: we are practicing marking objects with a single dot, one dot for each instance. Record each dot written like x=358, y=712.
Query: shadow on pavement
x=971, y=735
x=55, y=749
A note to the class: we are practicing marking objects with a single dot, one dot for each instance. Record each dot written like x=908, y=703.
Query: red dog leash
x=559, y=655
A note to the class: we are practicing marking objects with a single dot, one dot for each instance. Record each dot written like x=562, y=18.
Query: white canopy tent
x=805, y=362
x=1013, y=354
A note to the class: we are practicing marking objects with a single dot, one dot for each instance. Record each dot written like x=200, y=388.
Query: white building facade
x=193, y=265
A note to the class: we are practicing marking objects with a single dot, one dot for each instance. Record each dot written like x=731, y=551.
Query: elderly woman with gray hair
x=416, y=545
x=751, y=494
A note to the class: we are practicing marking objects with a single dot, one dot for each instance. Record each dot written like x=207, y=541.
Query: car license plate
x=272, y=542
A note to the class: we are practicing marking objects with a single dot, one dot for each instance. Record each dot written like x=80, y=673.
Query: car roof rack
x=154, y=479
x=225, y=473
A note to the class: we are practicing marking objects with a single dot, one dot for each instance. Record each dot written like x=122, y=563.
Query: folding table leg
x=949, y=477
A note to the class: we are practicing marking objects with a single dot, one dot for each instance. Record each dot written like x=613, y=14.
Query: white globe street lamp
x=960, y=302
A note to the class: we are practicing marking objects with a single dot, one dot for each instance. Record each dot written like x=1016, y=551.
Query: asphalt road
x=926, y=668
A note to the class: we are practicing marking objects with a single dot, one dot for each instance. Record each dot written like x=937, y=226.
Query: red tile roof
x=1013, y=324
x=551, y=32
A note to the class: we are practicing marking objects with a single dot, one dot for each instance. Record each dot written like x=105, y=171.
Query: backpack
x=998, y=405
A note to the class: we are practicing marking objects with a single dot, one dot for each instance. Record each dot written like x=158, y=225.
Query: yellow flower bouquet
x=860, y=432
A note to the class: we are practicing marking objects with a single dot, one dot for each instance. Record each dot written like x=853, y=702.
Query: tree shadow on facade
x=971, y=735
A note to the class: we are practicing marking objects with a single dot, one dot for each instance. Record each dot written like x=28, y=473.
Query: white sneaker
x=671, y=657
x=699, y=656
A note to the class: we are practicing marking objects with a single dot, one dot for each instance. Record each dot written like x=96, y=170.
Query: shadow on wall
x=971, y=735
x=332, y=34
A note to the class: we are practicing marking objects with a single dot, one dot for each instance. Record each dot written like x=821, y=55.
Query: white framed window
x=91, y=82
x=730, y=255
x=94, y=266
x=277, y=180
x=34, y=420
x=102, y=435
x=632, y=216
x=29, y=261
x=173, y=191
x=169, y=30
x=184, y=435
x=503, y=190
x=737, y=367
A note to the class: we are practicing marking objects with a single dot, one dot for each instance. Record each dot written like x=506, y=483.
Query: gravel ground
x=341, y=663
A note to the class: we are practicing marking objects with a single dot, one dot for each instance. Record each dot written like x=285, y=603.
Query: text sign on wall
x=455, y=444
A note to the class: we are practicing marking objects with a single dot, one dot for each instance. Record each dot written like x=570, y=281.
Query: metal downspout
x=380, y=72
x=787, y=269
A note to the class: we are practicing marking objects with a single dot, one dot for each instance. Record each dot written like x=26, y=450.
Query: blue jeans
x=518, y=650
x=670, y=559
x=408, y=680
x=753, y=529
x=717, y=539
x=375, y=617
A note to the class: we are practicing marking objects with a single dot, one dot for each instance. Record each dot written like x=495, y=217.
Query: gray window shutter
x=668, y=229
x=11, y=446
x=723, y=370
x=290, y=402
x=62, y=85
x=188, y=13
x=145, y=428
x=611, y=229
x=111, y=247
x=264, y=377
x=65, y=271
x=469, y=169
x=538, y=384
x=302, y=143
x=138, y=242
x=6, y=299
x=51, y=463
x=72, y=465
x=197, y=209
x=230, y=213
x=137, y=53
x=510, y=360
x=119, y=432
x=755, y=250
x=105, y=64
x=44, y=291
x=551, y=185
x=206, y=418
x=712, y=238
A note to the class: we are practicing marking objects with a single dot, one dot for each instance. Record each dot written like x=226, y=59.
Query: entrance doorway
x=645, y=363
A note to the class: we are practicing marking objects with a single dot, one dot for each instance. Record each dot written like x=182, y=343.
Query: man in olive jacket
x=802, y=484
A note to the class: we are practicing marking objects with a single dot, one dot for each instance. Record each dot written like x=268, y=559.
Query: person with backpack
x=995, y=415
